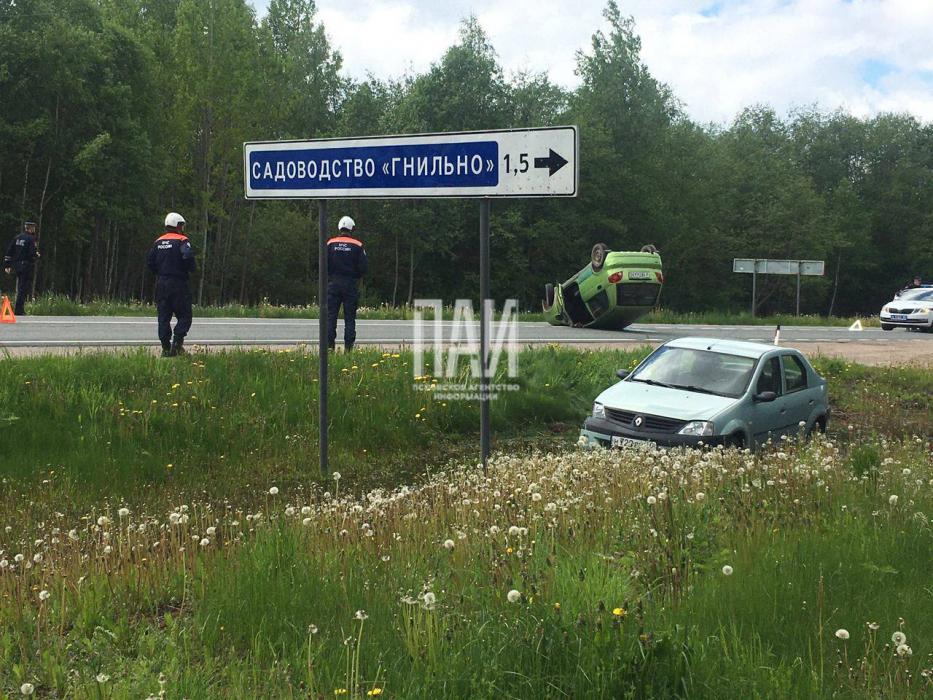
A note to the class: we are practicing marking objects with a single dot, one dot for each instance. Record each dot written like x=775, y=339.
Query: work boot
x=167, y=350
x=348, y=348
x=178, y=347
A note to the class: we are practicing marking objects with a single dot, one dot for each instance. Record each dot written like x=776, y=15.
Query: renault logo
x=638, y=421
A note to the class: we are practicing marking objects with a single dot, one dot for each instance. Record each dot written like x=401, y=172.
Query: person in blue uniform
x=346, y=264
x=171, y=259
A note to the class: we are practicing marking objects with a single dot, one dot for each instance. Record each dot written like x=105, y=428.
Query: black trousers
x=23, y=287
x=342, y=290
x=173, y=297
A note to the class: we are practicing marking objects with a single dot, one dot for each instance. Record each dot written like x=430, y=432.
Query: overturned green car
x=610, y=293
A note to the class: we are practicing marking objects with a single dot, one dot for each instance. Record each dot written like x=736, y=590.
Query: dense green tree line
x=113, y=112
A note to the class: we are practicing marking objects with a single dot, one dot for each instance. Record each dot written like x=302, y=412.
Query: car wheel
x=887, y=327
x=736, y=440
x=548, y=295
x=818, y=425
x=598, y=256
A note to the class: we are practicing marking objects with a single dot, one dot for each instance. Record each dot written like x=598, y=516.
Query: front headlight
x=697, y=427
x=884, y=309
x=598, y=410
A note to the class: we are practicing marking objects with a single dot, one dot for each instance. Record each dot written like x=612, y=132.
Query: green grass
x=112, y=423
x=222, y=588
x=61, y=305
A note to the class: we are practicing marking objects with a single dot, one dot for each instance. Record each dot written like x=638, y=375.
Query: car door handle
x=783, y=411
x=810, y=402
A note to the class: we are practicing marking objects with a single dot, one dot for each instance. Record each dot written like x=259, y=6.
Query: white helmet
x=346, y=224
x=175, y=220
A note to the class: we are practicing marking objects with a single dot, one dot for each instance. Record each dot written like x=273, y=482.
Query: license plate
x=631, y=443
x=899, y=317
x=639, y=275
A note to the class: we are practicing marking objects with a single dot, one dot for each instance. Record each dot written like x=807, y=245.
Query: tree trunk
x=411, y=273
x=249, y=232
x=45, y=189
x=395, y=282
x=832, y=301
x=22, y=204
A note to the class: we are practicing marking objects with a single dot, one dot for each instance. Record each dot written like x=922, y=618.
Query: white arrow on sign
x=512, y=163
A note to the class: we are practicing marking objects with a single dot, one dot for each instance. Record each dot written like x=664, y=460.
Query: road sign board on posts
x=778, y=267
x=512, y=163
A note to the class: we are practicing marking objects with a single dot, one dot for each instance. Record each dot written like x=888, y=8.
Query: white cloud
x=786, y=53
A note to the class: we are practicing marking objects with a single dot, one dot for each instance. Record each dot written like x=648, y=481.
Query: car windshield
x=702, y=371
x=917, y=295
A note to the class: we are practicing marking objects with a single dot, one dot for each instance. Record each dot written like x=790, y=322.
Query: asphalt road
x=115, y=331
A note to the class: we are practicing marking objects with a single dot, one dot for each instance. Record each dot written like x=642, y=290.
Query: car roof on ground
x=742, y=348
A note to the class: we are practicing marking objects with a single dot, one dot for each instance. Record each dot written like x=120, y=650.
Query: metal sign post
x=322, y=332
x=484, y=164
x=484, y=329
x=756, y=266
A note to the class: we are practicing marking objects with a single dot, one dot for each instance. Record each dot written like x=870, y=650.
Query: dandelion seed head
x=44, y=595
x=274, y=491
x=727, y=570
x=514, y=596
x=842, y=634
x=448, y=545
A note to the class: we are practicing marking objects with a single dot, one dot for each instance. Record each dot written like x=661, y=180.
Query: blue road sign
x=525, y=163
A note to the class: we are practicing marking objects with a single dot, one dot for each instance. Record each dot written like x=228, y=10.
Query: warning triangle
x=6, y=312
x=857, y=326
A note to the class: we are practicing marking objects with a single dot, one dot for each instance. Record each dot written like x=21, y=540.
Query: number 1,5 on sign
x=522, y=166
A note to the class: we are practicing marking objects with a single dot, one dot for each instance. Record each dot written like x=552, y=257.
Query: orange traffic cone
x=6, y=312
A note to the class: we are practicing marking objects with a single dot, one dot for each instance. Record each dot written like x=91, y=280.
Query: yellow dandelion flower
x=340, y=691
x=374, y=692
x=618, y=612
x=508, y=550
x=557, y=606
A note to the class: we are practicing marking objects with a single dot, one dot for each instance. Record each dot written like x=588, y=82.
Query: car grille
x=652, y=424
x=900, y=311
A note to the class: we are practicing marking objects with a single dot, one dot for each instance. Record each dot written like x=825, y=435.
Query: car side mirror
x=765, y=397
x=622, y=373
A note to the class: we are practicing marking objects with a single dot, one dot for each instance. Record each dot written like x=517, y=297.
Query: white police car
x=911, y=308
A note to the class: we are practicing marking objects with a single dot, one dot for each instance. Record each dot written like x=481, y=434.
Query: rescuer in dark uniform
x=20, y=258
x=346, y=263
x=172, y=260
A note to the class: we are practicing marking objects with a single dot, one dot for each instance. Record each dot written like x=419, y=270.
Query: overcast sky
x=865, y=56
